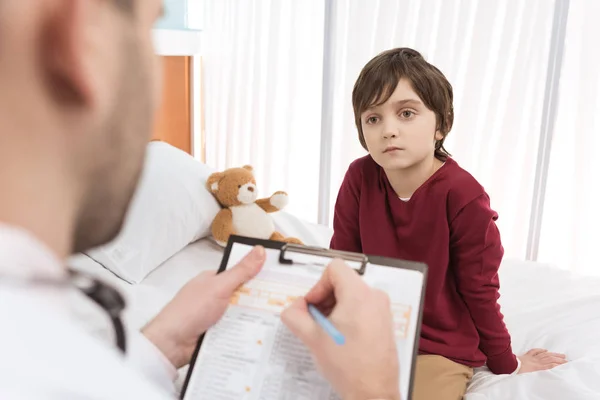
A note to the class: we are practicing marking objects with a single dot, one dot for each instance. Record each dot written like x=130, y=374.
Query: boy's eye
x=407, y=114
x=372, y=120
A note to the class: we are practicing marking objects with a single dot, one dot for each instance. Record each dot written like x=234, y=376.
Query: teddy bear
x=242, y=214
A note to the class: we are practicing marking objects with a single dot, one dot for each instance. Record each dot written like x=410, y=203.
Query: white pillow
x=170, y=209
x=310, y=233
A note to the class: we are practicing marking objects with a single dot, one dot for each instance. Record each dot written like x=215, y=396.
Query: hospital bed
x=544, y=307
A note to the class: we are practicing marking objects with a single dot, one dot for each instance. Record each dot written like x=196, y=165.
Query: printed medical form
x=251, y=355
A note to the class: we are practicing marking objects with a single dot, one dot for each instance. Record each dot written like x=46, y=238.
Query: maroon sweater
x=449, y=225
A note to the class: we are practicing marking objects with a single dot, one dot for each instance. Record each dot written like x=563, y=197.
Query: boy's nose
x=389, y=128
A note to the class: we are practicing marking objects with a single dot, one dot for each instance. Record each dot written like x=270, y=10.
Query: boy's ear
x=438, y=135
x=212, y=183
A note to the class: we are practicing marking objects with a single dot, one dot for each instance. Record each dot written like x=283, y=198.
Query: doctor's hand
x=366, y=365
x=197, y=306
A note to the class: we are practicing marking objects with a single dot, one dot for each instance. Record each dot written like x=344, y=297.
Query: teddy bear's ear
x=212, y=183
x=248, y=168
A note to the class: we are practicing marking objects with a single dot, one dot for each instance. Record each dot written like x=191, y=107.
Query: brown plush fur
x=222, y=225
x=242, y=213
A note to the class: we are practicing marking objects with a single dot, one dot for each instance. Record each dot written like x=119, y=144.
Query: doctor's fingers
x=228, y=281
x=338, y=282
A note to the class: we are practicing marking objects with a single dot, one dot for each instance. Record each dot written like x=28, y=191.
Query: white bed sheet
x=146, y=299
x=149, y=296
x=543, y=307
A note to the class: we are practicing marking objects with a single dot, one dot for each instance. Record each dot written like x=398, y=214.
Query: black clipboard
x=284, y=258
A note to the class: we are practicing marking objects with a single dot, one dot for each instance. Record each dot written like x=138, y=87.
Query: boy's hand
x=539, y=360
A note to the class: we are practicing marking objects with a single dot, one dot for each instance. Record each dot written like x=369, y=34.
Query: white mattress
x=548, y=308
x=145, y=299
x=543, y=306
x=148, y=297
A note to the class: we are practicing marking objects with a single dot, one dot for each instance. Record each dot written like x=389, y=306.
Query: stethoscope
x=105, y=296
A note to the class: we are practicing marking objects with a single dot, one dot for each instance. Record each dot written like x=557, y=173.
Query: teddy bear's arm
x=274, y=203
x=222, y=226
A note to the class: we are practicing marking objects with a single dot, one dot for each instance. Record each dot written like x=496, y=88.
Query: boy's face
x=401, y=132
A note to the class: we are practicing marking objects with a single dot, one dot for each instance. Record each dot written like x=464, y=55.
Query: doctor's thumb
x=243, y=271
x=298, y=320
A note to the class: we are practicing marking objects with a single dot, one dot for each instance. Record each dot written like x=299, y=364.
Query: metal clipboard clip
x=290, y=248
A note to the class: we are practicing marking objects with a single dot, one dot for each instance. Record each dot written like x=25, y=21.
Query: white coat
x=47, y=353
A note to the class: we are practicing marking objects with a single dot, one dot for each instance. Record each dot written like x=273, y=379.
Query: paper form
x=251, y=355
x=404, y=290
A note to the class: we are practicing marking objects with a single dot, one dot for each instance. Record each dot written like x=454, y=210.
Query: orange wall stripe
x=173, y=119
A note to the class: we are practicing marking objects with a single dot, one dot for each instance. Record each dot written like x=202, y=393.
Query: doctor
x=79, y=83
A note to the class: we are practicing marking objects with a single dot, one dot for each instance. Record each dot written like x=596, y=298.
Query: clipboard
x=209, y=376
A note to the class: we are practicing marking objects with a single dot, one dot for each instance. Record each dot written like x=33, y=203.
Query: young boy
x=409, y=199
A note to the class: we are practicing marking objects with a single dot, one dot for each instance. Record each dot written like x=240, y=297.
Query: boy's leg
x=437, y=378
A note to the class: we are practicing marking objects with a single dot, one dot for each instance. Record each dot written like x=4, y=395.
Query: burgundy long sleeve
x=449, y=225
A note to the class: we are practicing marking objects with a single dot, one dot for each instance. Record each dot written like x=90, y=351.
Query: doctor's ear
x=73, y=72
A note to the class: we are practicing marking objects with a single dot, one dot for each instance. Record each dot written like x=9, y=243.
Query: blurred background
x=268, y=83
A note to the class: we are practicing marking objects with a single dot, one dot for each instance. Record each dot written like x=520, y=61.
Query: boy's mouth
x=390, y=149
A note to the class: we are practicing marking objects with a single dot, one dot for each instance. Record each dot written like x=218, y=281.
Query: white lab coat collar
x=23, y=255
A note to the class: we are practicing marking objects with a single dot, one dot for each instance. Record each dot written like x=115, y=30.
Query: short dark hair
x=379, y=78
x=126, y=5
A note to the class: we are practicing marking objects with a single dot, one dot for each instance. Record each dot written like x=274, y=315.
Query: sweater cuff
x=516, y=371
x=503, y=363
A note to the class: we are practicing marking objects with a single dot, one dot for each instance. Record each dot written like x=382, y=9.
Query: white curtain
x=263, y=87
x=494, y=53
x=263, y=63
x=571, y=220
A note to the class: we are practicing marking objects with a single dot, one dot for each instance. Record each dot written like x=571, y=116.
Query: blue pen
x=326, y=325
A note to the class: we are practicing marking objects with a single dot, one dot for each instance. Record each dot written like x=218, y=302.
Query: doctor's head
x=79, y=85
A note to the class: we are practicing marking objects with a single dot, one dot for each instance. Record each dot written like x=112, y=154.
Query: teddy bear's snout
x=247, y=193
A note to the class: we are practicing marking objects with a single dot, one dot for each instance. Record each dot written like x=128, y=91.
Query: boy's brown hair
x=379, y=78
x=126, y=5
